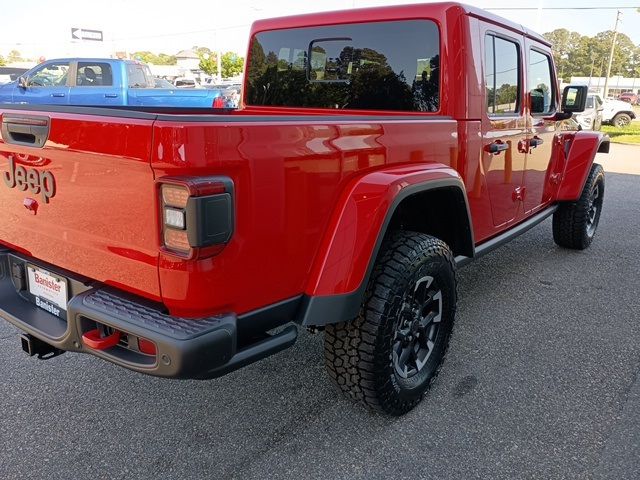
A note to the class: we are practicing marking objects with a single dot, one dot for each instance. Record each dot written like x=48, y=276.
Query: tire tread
x=351, y=349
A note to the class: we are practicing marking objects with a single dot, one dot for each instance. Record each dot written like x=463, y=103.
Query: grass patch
x=628, y=134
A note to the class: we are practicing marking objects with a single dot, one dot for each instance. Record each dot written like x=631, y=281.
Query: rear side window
x=94, y=75
x=502, y=75
x=372, y=66
x=540, y=86
x=138, y=77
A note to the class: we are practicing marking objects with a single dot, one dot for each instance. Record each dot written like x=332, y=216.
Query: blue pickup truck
x=99, y=82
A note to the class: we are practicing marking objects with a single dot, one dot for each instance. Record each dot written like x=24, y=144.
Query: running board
x=507, y=236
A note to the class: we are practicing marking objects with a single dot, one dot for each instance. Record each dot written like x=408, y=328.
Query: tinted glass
x=374, y=66
x=590, y=102
x=138, y=77
x=540, y=85
x=50, y=75
x=502, y=74
x=94, y=75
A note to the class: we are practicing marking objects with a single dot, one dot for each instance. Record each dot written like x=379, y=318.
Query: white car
x=597, y=112
x=617, y=113
x=183, y=82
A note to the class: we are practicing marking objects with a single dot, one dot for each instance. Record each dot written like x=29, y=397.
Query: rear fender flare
x=341, y=271
x=579, y=158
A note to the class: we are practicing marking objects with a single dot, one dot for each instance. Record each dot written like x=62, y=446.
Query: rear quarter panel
x=289, y=177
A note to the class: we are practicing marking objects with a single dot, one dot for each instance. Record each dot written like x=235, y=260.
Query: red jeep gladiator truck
x=375, y=152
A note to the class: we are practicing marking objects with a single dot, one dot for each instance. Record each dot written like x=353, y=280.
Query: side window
x=137, y=77
x=502, y=76
x=50, y=75
x=598, y=101
x=540, y=85
x=94, y=75
x=590, y=102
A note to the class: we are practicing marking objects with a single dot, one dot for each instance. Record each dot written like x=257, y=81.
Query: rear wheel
x=575, y=223
x=388, y=356
x=621, y=120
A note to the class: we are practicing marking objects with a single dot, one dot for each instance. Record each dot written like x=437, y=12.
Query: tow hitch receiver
x=34, y=346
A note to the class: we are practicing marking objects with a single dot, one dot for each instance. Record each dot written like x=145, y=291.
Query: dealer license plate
x=49, y=291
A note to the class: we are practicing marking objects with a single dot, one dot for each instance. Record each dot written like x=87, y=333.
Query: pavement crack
x=619, y=418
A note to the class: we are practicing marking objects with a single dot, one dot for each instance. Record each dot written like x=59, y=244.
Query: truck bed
x=288, y=171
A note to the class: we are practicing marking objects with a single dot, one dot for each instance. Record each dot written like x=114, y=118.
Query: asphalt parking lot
x=541, y=382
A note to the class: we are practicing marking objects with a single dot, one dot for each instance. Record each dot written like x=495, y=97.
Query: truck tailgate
x=85, y=200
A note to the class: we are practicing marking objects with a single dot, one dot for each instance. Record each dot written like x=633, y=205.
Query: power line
x=561, y=8
x=177, y=34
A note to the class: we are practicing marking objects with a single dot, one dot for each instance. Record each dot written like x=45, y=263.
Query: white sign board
x=85, y=34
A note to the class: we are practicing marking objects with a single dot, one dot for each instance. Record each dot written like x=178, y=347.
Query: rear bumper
x=184, y=348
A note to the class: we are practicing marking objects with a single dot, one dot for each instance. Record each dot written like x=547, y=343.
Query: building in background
x=617, y=84
x=188, y=60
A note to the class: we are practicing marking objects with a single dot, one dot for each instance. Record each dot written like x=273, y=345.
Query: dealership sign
x=84, y=34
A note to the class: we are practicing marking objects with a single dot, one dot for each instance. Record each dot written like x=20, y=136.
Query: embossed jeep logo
x=37, y=181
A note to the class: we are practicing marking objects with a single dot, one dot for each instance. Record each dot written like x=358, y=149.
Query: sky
x=169, y=26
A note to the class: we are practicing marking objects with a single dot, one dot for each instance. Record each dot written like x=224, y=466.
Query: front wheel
x=387, y=357
x=621, y=120
x=575, y=223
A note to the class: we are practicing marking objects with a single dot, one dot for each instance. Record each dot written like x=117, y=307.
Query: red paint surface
x=310, y=195
x=104, y=187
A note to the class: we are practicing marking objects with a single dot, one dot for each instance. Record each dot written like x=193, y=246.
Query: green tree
x=232, y=64
x=164, y=59
x=577, y=55
x=2, y=61
x=208, y=63
x=565, y=44
x=152, y=58
x=14, y=56
x=624, y=51
x=202, y=51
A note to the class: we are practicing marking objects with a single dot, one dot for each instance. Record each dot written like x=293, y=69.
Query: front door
x=48, y=84
x=504, y=127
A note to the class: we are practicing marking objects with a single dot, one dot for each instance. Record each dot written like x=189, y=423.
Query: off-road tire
x=621, y=120
x=574, y=225
x=359, y=354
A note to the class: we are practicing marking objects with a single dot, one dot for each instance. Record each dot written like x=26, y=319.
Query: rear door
x=543, y=103
x=48, y=84
x=87, y=183
x=503, y=123
x=94, y=85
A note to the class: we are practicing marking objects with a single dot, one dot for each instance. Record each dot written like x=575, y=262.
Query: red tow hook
x=92, y=339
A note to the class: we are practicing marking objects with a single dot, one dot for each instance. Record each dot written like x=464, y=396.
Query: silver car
x=591, y=118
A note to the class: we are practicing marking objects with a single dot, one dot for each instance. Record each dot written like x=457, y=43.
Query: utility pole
x=613, y=47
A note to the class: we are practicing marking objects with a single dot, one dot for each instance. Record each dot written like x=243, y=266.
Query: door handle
x=110, y=95
x=58, y=95
x=535, y=141
x=30, y=131
x=496, y=147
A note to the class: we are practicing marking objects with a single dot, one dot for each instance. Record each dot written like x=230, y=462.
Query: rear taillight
x=197, y=214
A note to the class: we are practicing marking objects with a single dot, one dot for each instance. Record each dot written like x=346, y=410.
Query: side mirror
x=574, y=98
x=22, y=82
